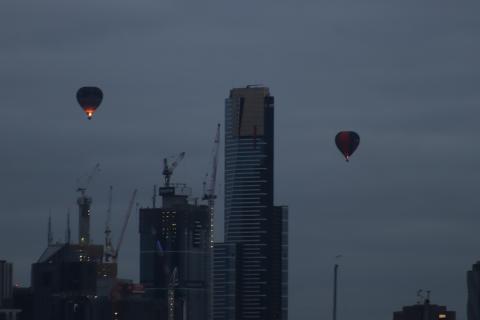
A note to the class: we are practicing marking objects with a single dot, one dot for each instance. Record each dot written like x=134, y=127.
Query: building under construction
x=79, y=280
x=175, y=253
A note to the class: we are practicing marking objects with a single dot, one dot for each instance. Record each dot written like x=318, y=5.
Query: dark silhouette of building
x=72, y=281
x=175, y=256
x=64, y=282
x=9, y=314
x=424, y=311
x=6, y=282
x=251, y=220
x=23, y=300
x=473, y=285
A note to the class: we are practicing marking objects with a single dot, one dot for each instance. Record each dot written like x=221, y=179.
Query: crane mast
x=168, y=169
x=209, y=186
x=50, y=233
x=82, y=188
x=84, y=202
x=124, y=227
x=109, y=251
x=68, y=232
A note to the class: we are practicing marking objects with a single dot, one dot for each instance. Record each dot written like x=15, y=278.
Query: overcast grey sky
x=404, y=74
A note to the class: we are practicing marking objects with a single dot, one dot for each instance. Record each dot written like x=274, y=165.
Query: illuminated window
x=442, y=316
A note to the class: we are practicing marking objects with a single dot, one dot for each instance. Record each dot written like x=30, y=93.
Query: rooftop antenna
x=335, y=284
x=154, y=197
x=420, y=296
x=50, y=233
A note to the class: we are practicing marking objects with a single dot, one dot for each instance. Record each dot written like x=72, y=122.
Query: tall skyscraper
x=175, y=256
x=252, y=222
x=473, y=285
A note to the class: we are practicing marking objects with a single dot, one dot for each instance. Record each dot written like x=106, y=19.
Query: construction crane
x=124, y=227
x=109, y=252
x=168, y=169
x=209, y=187
x=50, y=233
x=82, y=188
x=68, y=232
x=84, y=202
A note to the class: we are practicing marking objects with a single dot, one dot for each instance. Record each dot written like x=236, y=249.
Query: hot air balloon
x=347, y=142
x=89, y=99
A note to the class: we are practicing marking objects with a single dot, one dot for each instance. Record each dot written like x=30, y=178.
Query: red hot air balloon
x=89, y=99
x=347, y=142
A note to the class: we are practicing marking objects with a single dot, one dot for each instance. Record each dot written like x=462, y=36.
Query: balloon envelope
x=89, y=99
x=347, y=142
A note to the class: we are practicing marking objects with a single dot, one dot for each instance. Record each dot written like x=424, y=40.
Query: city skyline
x=401, y=75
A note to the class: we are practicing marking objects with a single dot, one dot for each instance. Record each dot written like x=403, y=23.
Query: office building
x=6, y=282
x=175, y=256
x=473, y=285
x=251, y=219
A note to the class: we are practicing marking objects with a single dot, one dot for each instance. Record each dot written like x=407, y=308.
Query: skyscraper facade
x=226, y=280
x=473, y=285
x=251, y=219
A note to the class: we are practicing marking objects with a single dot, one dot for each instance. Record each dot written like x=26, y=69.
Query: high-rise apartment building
x=252, y=222
x=175, y=256
x=473, y=285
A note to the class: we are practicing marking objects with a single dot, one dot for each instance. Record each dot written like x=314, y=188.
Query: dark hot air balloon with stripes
x=89, y=99
x=347, y=142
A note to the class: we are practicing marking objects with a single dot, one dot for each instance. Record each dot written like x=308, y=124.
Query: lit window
x=442, y=316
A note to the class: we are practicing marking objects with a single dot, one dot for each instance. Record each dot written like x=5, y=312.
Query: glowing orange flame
x=89, y=112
